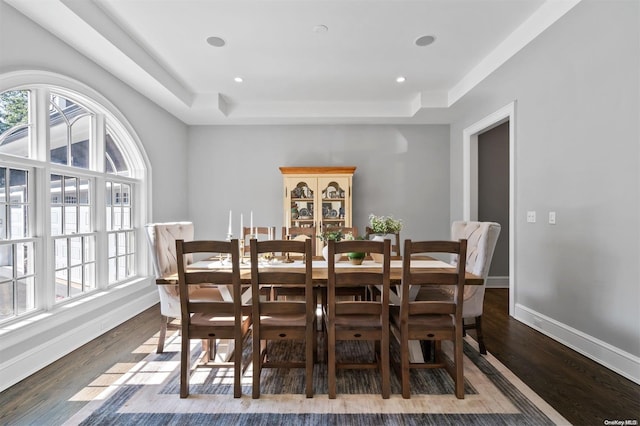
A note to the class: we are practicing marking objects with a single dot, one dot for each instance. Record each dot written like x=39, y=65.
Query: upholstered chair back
x=162, y=242
x=481, y=242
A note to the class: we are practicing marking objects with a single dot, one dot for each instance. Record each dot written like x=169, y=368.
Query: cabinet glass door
x=302, y=202
x=334, y=207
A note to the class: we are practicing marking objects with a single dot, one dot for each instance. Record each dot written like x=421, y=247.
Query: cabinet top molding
x=317, y=170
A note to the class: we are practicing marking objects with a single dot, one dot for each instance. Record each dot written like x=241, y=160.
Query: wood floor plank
x=584, y=392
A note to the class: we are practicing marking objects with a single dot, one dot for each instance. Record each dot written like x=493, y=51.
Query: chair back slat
x=429, y=307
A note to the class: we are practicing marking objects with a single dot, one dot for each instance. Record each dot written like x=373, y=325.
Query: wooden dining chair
x=261, y=233
x=227, y=319
x=433, y=320
x=358, y=319
x=279, y=320
x=296, y=234
x=302, y=233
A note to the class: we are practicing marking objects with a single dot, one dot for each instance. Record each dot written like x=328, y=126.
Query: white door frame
x=470, y=179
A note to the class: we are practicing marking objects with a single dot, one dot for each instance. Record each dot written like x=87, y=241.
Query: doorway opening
x=470, y=179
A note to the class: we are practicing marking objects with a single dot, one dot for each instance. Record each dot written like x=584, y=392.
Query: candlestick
x=241, y=234
x=229, y=232
x=251, y=224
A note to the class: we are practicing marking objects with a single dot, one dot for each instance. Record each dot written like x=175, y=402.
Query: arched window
x=72, y=177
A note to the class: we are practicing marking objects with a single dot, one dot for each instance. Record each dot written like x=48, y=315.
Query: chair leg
x=164, y=320
x=237, y=366
x=310, y=356
x=459, y=368
x=404, y=365
x=384, y=360
x=481, y=347
x=257, y=361
x=184, y=366
x=331, y=362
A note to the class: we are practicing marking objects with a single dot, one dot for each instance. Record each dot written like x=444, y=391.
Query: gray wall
x=577, y=153
x=401, y=171
x=25, y=45
x=493, y=191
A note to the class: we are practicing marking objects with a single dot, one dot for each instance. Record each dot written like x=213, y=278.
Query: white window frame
x=41, y=84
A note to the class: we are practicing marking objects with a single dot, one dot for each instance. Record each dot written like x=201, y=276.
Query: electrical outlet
x=531, y=217
x=552, y=218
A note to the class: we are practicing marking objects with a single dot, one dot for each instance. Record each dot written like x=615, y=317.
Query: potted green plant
x=355, y=258
x=383, y=225
x=380, y=226
x=335, y=235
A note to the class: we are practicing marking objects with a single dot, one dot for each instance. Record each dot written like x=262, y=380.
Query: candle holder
x=228, y=257
x=241, y=249
x=287, y=259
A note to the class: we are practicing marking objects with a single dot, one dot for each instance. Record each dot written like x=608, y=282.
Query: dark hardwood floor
x=584, y=392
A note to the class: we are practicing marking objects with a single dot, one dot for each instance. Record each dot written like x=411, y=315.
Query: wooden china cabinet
x=317, y=196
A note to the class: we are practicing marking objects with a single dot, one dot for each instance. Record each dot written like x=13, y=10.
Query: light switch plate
x=552, y=218
x=531, y=217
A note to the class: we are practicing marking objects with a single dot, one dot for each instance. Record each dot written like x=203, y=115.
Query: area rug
x=148, y=394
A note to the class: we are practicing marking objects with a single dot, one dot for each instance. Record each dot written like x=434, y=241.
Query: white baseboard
x=25, y=356
x=623, y=363
x=497, y=282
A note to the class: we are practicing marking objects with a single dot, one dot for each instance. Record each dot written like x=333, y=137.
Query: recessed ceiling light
x=238, y=79
x=320, y=29
x=216, y=41
x=425, y=40
x=401, y=79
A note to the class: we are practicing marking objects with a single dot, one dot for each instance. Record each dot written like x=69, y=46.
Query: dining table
x=320, y=276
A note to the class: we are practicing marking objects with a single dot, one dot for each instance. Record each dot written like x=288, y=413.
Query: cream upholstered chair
x=481, y=241
x=162, y=242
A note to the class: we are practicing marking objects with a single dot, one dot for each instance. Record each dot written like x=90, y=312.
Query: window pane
x=26, y=299
x=6, y=262
x=56, y=221
x=19, y=221
x=18, y=186
x=112, y=270
x=80, y=134
x=3, y=221
x=56, y=189
x=60, y=249
x=90, y=276
x=3, y=185
x=24, y=259
x=114, y=159
x=85, y=219
x=6, y=300
x=75, y=283
x=14, y=122
x=70, y=131
x=70, y=190
x=131, y=244
x=89, y=249
x=122, y=243
x=126, y=218
x=131, y=265
x=70, y=224
x=62, y=287
x=84, y=192
x=112, y=245
x=76, y=251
